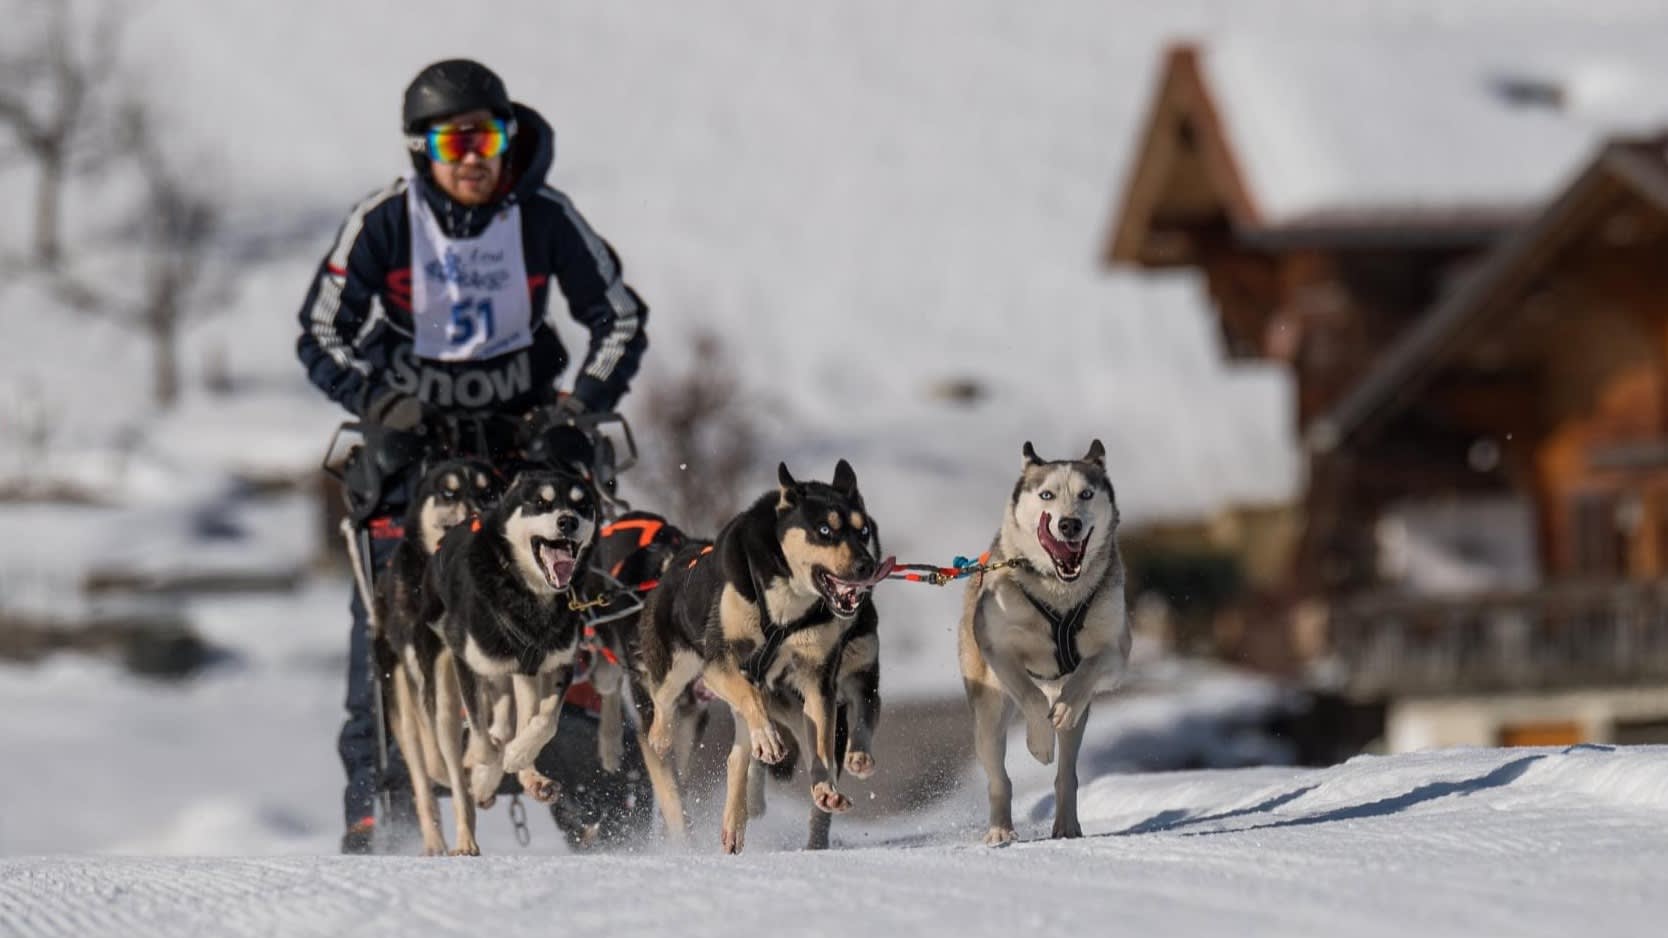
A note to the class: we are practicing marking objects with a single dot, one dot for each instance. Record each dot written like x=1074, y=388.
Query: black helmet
x=453, y=87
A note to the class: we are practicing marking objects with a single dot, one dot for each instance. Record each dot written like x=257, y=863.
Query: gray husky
x=1045, y=629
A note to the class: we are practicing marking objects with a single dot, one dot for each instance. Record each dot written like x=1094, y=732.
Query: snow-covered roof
x=1456, y=122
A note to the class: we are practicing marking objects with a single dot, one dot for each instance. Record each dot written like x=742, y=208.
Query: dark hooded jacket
x=353, y=356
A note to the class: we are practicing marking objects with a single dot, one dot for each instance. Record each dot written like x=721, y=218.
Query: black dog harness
x=758, y=663
x=1065, y=627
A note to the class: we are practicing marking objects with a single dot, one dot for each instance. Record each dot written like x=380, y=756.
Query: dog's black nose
x=863, y=568
x=1071, y=529
x=567, y=524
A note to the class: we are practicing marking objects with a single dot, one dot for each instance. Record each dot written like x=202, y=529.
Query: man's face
x=474, y=179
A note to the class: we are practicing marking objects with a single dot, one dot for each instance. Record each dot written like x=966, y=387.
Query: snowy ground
x=1462, y=843
x=233, y=777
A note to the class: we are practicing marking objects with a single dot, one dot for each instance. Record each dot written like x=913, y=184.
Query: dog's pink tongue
x=1056, y=548
x=886, y=567
x=558, y=564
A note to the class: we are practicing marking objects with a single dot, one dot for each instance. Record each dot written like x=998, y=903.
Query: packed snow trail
x=1464, y=843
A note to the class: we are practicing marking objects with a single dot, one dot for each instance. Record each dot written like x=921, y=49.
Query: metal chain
x=518, y=818
x=580, y=605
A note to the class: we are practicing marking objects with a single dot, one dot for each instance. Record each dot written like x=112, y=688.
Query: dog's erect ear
x=1031, y=457
x=790, y=488
x=845, y=479
x=1096, y=454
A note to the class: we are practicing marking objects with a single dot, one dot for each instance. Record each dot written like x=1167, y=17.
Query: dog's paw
x=860, y=764
x=1063, y=715
x=1066, y=829
x=828, y=800
x=483, y=784
x=1000, y=837
x=538, y=786
x=660, y=735
x=767, y=745
x=732, y=840
x=434, y=844
x=1039, y=738
x=467, y=847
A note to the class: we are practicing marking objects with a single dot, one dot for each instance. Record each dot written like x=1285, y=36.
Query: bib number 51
x=471, y=322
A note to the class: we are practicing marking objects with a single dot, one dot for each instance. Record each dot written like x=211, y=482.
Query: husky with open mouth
x=769, y=611
x=409, y=652
x=1043, y=631
x=499, y=592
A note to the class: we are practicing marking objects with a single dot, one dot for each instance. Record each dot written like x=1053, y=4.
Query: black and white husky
x=500, y=592
x=408, y=651
x=1042, y=633
x=767, y=613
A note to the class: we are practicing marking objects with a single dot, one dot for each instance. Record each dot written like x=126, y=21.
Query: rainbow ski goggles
x=448, y=143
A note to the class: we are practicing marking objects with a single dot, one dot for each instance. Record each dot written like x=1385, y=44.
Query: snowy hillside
x=1464, y=843
x=863, y=199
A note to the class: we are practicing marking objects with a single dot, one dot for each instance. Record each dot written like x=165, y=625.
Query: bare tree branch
x=29, y=132
x=50, y=102
x=182, y=225
x=705, y=442
x=60, y=102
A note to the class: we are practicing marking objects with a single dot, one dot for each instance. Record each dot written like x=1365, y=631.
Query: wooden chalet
x=1482, y=395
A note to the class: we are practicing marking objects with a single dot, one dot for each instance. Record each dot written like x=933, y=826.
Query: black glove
x=569, y=407
x=396, y=410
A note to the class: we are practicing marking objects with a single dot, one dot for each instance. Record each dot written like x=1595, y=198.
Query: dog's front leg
x=502, y=699
x=482, y=698
x=734, y=834
x=541, y=728
x=407, y=717
x=860, y=693
x=1079, y=688
x=449, y=705
x=819, y=718
x=747, y=702
x=1065, y=779
x=609, y=680
x=1033, y=703
x=685, y=668
x=529, y=692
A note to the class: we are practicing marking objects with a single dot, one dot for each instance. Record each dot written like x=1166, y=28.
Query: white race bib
x=469, y=296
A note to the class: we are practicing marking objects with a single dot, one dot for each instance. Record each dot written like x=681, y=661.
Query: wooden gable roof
x=1623, y=190
x=1185, y=176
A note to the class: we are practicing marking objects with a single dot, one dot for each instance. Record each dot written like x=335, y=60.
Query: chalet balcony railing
x=1568, y=635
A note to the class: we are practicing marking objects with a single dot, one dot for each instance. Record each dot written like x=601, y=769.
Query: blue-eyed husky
x=1043, y=631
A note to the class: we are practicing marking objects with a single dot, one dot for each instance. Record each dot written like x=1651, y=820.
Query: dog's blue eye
x=864, y=532
x=1086, y=494
x=825, y=531
x=1046, y=496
